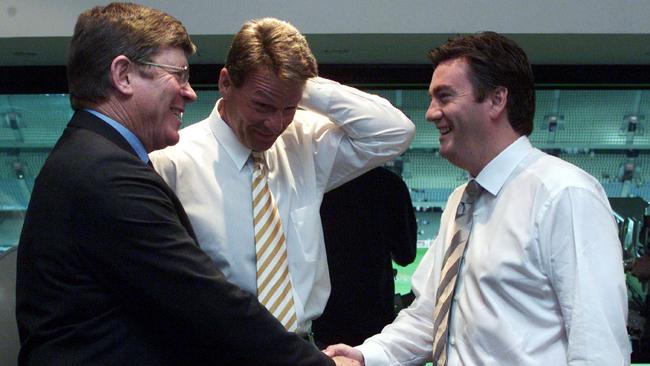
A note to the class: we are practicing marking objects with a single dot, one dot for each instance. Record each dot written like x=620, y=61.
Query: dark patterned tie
x=449, y=273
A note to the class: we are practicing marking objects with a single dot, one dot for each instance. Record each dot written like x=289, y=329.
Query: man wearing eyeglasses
x=109, y=270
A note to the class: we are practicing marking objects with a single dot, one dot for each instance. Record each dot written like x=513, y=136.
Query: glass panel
x=594, y=129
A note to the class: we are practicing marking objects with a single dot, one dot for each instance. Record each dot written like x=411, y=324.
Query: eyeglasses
x=181, y=72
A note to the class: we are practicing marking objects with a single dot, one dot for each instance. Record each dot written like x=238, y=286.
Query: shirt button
x=452, y=341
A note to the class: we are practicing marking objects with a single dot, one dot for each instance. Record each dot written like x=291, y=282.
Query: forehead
x=263, y=83
x=452, y=74
x=171, y=56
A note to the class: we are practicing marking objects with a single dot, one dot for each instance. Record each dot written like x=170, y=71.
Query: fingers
x=344, y=361
x=345, y=351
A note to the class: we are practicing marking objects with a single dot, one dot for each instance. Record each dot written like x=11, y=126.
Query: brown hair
x=273, y=44
x=105, y=32
x=495, y=61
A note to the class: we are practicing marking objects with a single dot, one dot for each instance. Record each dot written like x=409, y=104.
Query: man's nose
x=188, y=93
x=434, y=113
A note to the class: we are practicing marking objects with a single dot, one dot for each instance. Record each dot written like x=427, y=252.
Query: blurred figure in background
x=368, y=222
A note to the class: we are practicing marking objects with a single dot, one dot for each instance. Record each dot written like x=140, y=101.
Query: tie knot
x=258, y=159
x=473, y=190
x=258, y=156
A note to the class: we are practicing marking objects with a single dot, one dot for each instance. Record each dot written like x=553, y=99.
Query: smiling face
x=159, y=100
x=260, y=109
x=462, y=121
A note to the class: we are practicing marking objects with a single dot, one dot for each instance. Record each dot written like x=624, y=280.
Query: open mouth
x=445, y=130
x=178, y=113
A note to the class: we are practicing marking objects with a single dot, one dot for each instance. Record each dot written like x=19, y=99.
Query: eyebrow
x=440, y=88
x=264, y=97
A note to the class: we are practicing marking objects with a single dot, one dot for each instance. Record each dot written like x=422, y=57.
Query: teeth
x=178, y=113
x=444, y=130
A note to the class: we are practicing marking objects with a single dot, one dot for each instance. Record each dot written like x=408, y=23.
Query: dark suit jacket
x=367, y=222
x=109, y=271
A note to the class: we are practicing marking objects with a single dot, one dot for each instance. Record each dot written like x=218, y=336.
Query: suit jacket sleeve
x=145, y=254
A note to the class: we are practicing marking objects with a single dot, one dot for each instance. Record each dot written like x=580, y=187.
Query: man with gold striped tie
x=527, y=268
x=252, y=175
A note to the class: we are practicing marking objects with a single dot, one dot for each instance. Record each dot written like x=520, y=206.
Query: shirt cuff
x=373, y=354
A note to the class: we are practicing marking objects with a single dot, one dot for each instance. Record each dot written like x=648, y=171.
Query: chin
x=450, y=157
x=169, y=141
x=172, y=142
x=263, y=145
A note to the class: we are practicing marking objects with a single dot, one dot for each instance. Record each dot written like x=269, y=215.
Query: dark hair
x=273, y=44
x=495, y=61
x=105, y=32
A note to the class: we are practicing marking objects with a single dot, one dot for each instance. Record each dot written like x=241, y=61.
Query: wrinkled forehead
x=264, y=84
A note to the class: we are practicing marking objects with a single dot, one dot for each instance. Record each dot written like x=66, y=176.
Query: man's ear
x=498, y=99
x=225, y=83
x=121, y=74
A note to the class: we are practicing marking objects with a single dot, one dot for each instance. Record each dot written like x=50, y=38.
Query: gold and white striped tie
x=273, y=281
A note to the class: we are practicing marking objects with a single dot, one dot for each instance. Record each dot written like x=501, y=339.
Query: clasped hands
x=344, y=355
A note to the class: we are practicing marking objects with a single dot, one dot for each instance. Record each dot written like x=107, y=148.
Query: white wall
x=45, y=18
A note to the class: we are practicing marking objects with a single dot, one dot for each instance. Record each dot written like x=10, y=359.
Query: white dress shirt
x=542, y=281
x=342, y=133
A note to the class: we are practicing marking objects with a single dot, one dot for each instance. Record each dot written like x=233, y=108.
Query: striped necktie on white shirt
x=274, y=288
x=449, y=273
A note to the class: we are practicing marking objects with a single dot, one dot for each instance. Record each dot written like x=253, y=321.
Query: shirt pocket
x=307, y=230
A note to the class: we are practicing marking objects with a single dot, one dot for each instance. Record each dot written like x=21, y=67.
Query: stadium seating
x=589, y=128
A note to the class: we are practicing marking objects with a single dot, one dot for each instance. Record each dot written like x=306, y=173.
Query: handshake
x=344, y=355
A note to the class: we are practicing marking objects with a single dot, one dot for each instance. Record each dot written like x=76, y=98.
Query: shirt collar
x=497, y=171
x=227, y=139
x=129, y=136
